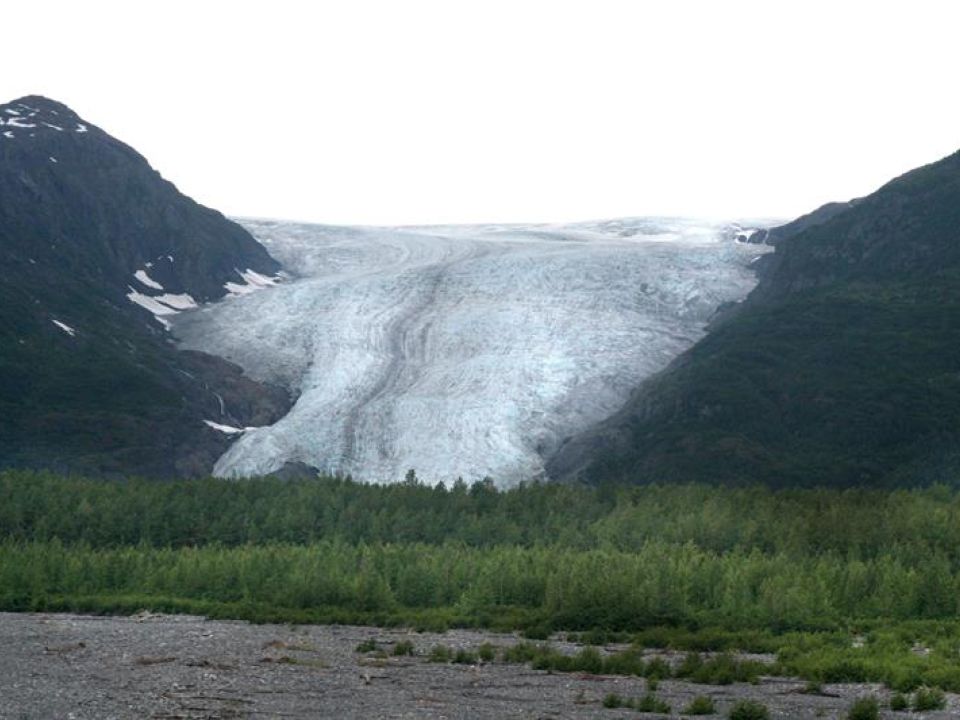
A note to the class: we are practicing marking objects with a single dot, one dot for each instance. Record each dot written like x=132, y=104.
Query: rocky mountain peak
x=36, y=116
x=74, y=195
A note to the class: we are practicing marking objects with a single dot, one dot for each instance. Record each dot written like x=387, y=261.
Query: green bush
x=700, y=705
x=612, y=700
x=865, y=708
x=899, y=702
x=650, y=703
x=368, y=645
x=539, y=631
x=725, y=669
x=749, y=710
x=522, y=652
x=404, y=647
x=440, y=654
x=487, y=652
x=465, y=657
x=588, y=660
x=926, y=698
x=691, y=664
x=658, y=669
x=628, y=662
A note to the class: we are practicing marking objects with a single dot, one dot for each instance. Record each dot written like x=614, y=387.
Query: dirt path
x=178, y=667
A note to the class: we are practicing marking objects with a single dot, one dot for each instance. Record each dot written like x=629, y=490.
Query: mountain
x=96, y=251
x=841, y=368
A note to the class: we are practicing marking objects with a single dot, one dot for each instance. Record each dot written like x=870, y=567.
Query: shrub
x=658, y=668
x=865, y=708
x=465, y=657
x=725, y=669
x=692, y=662
x=368, y=645
x=440, y=654
x=404, y=647
x=650, y=703
x=899, y=702
x=749, y=710
x=628, y=662
x=522, y=652
x=589, y=660
x=929, y=699
x=700, y=705
x=538, y=631
x=612, y=700
x=487, y=652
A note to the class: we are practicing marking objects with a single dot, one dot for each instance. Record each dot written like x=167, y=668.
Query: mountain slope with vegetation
x=841, y=368
x=95, y=249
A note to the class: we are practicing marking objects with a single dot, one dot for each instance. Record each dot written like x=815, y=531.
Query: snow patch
x=53, y=159
x=160, y=305
x=63, y=326
x=177, y=302
x=19, y=123
x=252, y=281
x=227, y=429
x=55, y=127
x=142, y=276
x=81, y=128
x=8, y=134
x=149, y=303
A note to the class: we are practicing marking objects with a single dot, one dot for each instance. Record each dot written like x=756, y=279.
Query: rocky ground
x=179, y=667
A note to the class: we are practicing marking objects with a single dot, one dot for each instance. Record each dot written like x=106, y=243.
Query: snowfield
x=462, y=350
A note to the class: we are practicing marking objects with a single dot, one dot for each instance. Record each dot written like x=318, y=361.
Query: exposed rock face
x=95, y=248
x=841, y=368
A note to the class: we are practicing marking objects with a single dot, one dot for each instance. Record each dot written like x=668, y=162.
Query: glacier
x=462, y=351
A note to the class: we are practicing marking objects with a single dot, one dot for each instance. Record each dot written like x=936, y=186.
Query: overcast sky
x=420, y=111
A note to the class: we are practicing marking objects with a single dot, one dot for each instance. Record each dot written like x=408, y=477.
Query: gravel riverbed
x=183, y=667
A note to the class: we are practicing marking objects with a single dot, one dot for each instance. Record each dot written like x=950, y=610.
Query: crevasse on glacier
x=462, y=350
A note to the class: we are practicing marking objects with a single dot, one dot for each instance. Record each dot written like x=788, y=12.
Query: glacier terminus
x=463, y=351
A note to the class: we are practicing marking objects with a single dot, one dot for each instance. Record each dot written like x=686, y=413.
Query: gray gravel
x=178, y=667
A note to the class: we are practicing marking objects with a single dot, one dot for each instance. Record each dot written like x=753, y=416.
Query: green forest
x=795, y=572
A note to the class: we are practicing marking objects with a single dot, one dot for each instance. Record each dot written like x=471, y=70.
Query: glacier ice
x=462, y=350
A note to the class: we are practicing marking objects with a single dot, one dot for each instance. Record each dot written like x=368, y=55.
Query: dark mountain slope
x=841, y=368
x=89, y=380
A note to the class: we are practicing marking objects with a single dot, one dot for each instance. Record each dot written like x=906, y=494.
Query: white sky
x=420, y=111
